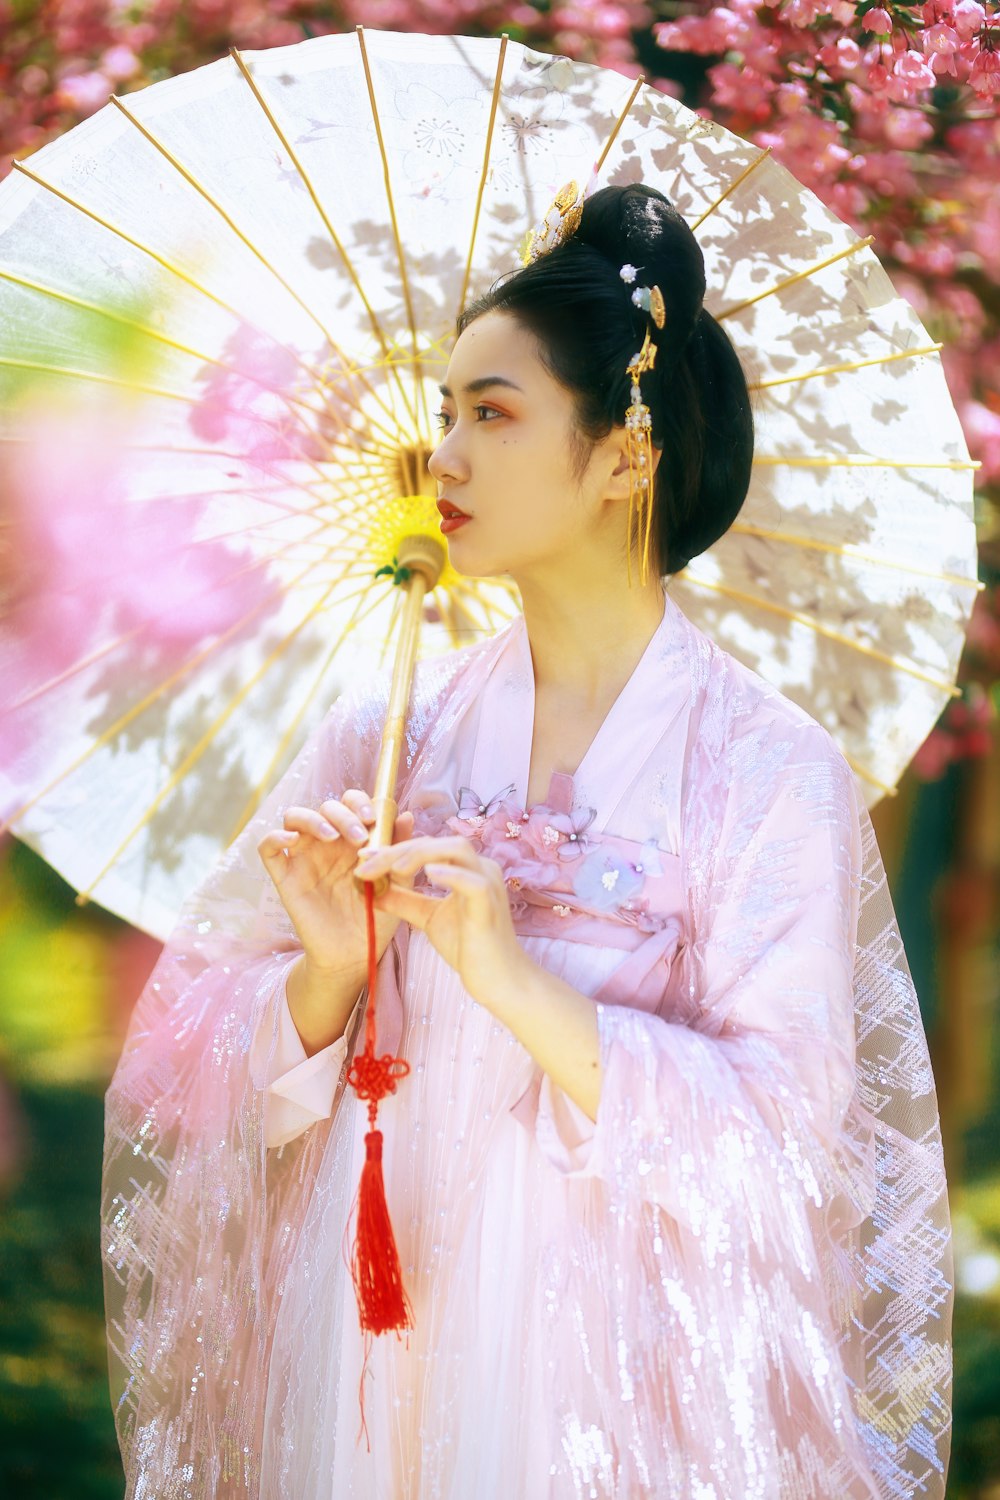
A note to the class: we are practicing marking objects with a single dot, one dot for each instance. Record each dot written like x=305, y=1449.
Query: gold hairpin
x=561, y=220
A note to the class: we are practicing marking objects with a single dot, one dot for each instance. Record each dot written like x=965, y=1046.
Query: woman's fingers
x=332, y=820
x=359, y=802
x=274, y=845
x=403, y=828
x=341, y=821
x=408, y=858
x=455, y=878
x=306, y=820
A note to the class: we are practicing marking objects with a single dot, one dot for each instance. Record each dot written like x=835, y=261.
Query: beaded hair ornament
x=561, y=221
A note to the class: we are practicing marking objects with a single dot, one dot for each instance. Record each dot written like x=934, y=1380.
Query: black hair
x=579, y=309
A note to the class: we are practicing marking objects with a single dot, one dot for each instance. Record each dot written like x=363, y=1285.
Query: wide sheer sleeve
x=299, y=1087
x=781, y=1144
x=198, y=1217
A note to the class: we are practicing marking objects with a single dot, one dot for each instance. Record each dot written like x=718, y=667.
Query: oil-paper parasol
x=293, y=232
x=290, y=235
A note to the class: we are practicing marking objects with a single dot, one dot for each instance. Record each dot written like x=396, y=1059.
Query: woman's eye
x=444, y=419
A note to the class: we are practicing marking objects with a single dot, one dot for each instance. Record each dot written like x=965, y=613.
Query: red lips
x=449, y=511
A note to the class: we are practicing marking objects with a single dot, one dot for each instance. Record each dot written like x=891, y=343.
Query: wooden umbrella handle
x=425, y=557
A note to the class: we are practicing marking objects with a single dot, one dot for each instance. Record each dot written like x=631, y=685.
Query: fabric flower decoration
x=553, y=835
x=605, y=881
x=649, y=862
x=475, y=814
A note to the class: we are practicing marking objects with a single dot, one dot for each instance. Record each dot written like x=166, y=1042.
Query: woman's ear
x=618, y=483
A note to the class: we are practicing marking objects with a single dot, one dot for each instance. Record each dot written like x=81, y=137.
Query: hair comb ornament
x=648, y=298
x=561, y=220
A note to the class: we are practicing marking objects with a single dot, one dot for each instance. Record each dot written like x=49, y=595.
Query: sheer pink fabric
x=737, y=1282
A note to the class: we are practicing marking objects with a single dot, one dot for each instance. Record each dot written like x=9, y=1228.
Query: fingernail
x=367, y=811
x=357, y=832
x=328, y=832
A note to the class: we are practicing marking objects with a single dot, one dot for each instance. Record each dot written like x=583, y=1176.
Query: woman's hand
x=311, y=862
x=471, y=926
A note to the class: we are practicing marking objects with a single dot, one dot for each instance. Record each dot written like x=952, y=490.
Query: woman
x=665, y=1174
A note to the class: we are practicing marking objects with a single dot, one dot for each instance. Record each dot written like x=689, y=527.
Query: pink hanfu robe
x=734, y=1285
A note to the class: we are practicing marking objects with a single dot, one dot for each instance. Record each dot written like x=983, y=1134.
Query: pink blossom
x=907, y=128
x=120, y=63
x=84, y=92
x=842, y=57
x=94, y=566
x=940, y=40
x=804, y=12
x=984, y=75
x=701, y=34
x=879, y=21
x=33, y=79
x=982, y=431
x=934, y=756
x=969, y=16
x=911, y=74
x=743, y=90
x=791, y=97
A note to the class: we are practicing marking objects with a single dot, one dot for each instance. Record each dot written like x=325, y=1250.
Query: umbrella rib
x=866, y=775
x=861, y=461
x=848, y=549
x=161, y=260
x=97, y=376
x=620, y=122
x=787, y=281
x=129, y=383
x=400, y=257
x=324, y=482
x=765, y=153
x=899, y=663
x=203, y=743
x=856, y=364
x=328, y=226
x=155, y=333
x=126, y=718
x=227, y=219
x=259, y=789
x=129, y=635
x=494, y=102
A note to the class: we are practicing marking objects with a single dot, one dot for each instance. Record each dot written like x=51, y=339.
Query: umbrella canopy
x=289, y=235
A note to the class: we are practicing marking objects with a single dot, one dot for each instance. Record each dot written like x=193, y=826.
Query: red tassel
x=378, y=1282
x=383, y=1305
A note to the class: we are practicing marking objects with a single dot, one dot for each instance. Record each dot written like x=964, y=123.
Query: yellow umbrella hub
x=402, y=517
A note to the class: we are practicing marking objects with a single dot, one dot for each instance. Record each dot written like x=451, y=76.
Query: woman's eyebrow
x=475, y=386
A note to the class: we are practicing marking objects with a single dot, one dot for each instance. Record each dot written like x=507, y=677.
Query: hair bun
x=636, y=224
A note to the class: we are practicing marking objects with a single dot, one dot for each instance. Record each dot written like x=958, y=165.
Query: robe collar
x=651, y=700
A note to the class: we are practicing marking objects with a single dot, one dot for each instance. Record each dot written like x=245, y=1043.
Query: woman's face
x=506, y=459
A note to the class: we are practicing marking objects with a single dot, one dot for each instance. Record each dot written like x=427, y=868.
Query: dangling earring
x=638, y=430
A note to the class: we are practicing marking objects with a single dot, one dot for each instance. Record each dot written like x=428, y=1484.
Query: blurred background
x=890, y=113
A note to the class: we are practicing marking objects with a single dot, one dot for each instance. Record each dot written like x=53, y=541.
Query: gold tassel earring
x=638, y=426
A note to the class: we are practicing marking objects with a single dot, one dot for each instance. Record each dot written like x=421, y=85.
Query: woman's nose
x=444, y=463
